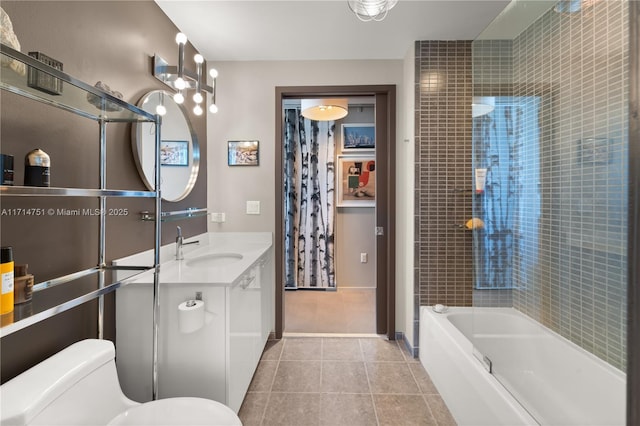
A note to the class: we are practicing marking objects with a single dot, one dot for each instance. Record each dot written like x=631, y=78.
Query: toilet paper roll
x=190, y=316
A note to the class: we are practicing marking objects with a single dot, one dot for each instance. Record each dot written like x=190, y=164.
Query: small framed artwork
x=243, y=153
x=356, y=181
x=174, y=153
x=358, y=137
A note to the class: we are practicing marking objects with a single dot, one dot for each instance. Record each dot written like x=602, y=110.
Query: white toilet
x=79, y=386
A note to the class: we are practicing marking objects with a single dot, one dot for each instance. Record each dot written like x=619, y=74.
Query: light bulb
x=213, y=108
x=180, y=83
x=161, y=110
x=198, y=58
x=213, y=73
x=181, y=38
x=178, y=98
x=197, y=110
x=197, y=97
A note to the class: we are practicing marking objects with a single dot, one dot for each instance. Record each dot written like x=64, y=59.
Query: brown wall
x=112, y=42
x=443, y=262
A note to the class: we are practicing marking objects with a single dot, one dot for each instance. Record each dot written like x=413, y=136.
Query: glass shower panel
x=549, y=179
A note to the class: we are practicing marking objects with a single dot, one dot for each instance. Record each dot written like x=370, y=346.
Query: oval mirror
x=179, y=149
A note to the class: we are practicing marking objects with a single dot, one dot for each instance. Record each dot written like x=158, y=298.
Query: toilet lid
x=178, y=412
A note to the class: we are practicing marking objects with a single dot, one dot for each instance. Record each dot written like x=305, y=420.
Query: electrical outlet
x=218, y=217
x=363, y=258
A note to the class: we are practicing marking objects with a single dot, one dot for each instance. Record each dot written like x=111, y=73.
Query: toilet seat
x=178, y=412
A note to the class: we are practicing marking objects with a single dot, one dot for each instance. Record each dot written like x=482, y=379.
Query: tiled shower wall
x=578, y=65
x=443, y=268
x=570, y=265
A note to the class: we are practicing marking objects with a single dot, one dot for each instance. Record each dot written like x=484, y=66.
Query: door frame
x=633, y=247
x=385, y=122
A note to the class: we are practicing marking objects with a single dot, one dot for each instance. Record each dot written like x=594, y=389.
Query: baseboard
x=401, y=336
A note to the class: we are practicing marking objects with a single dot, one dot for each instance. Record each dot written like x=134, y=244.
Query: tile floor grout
x=373, y=402
x=396, y=394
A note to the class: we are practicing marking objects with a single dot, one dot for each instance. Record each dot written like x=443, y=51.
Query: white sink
x=214, y=259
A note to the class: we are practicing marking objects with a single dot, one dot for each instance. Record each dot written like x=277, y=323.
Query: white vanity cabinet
x=245, y=339
x=215, y=362
x=250, y=323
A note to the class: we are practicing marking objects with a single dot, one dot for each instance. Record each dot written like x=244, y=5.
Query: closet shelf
x=61, y=91
x=175, y=215
x=76, y=96
x=28, y=191
x=85, y=284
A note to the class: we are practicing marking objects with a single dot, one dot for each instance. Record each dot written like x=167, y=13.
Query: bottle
x=6, y=270
x=36, y=168
x=6, y=167
x=22, y=284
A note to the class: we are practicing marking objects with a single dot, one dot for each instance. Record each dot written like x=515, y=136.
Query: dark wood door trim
x=385, y=196
x=385, y=218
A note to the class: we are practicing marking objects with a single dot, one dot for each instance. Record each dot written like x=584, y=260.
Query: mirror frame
x=194, y=151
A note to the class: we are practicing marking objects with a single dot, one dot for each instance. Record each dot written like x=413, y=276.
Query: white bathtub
x=554, y=381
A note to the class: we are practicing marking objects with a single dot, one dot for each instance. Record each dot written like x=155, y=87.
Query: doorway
x=383, y=229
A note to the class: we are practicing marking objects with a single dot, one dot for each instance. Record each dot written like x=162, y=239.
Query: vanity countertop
x=215, y=260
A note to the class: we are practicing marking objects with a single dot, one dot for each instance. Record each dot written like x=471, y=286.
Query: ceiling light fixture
x=573, y=6
x=371, y=10
x=482, y=105
x=324, y=109
x=181, y=79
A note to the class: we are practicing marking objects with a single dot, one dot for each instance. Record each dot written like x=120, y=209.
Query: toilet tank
x=77, y=386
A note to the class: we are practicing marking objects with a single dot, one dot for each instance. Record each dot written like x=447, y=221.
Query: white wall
x=405, y=186
x=355, y=225
x=354, y=235
x=246, y=98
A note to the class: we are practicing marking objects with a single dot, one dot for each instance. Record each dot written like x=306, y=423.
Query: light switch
x=363, y=258
x=253, y=207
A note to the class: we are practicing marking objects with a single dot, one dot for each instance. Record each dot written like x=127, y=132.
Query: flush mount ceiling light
x=324, y=109
x=371, y=10
x=182, y=80
x=482, y=105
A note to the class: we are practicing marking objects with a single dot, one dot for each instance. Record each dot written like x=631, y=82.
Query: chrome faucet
x=180, y=243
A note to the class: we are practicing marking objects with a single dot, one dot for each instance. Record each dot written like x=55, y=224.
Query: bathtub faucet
x=180, y=242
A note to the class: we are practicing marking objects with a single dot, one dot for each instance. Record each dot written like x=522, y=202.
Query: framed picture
x=174, y=153
x=356, y=181
x=358, y=137
x=243, y=153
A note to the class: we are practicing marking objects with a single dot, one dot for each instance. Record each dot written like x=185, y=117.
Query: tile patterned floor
x=343, y=311
x=341, y=381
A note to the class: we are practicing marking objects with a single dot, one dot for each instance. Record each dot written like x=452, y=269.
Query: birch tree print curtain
x=506, y=144
x=309, y=149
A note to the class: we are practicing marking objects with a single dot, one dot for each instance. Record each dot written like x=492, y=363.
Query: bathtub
x=544, y=378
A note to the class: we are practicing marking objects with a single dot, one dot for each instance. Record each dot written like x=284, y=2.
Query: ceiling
x=240, y=30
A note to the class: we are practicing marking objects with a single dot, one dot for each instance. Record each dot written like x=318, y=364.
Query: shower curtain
x=309, y=149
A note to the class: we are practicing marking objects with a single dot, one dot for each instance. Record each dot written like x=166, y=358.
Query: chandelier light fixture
x=183, y=80
x=324, y=109
x=371, y=10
